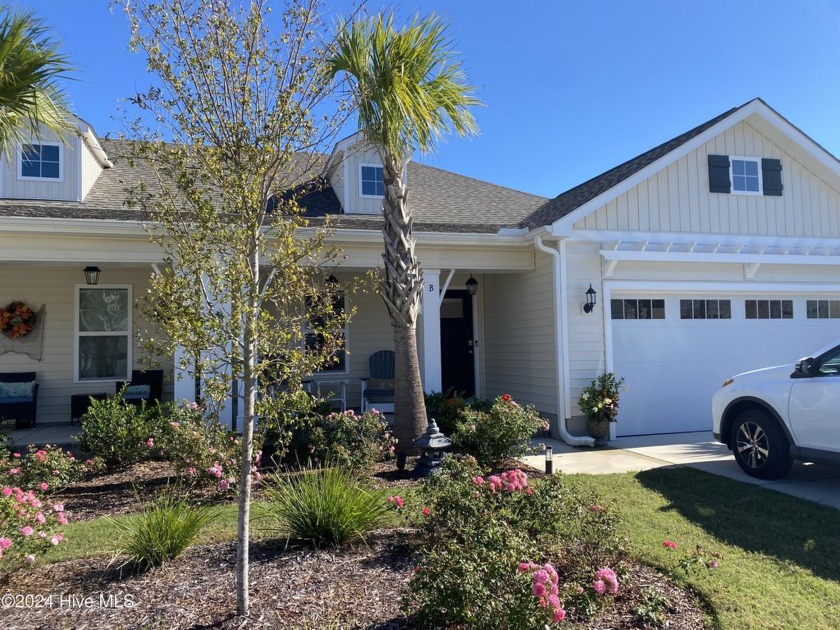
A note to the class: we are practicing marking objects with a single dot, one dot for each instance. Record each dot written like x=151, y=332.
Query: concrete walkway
x=820, y=484
x=45, y=434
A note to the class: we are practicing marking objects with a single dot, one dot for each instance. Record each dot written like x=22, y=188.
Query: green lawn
x=781, y=555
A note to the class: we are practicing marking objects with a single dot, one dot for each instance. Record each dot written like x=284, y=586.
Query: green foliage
x=477, y=533
x=162, y=531
x=202, y=449
x=344, y=439
x=324, y=506
x=446, y=407
x=118, y=432
x=651, y=607
x=501, y=432
x=30, y=94
x=599, y=400
x=48, y=468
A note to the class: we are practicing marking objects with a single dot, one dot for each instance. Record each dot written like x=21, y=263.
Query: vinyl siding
x=677, y=198
x=355, y=203
x=55, y=288
x=519, y=343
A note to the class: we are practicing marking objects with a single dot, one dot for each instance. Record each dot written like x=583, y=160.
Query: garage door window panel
x=705, y=309
x=822, y=309
x=637, y=309
x=768, y=309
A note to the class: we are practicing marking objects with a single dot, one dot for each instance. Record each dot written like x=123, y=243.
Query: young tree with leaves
x=240, y=98
x=30, y=67
x=409, y=91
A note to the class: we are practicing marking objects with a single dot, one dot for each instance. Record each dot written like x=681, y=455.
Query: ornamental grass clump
x=492, y=436
x=327, y=506
x=165, y=527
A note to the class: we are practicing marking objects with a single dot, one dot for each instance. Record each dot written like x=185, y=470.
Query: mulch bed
x=357, y=587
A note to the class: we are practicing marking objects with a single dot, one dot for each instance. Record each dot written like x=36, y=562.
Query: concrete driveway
x=813, y=482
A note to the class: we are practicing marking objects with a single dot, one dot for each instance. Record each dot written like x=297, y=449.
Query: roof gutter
x=561, y=342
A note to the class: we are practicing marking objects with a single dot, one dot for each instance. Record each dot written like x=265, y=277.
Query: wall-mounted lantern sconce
x=92, y=275
x=590, y=300
x=472, y=285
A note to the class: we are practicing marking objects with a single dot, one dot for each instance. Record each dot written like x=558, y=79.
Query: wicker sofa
x=19, y=398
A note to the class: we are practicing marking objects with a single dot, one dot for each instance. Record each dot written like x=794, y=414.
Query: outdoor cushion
x=374, y=395
x=23, y=390
x=137, y=391
x=19, y=399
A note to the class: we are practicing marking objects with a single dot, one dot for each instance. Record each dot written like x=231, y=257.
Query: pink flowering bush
x=492, y=436
x=344, y=439
x=476, y=534
x=47, y=468
x=29, y=525
x=202, y=449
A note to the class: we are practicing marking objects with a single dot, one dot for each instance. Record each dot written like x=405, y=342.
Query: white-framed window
x=822, y=309
x=705, y=309
x=745, y=174
x=315, y=341
x=103, y=333
x=637, y=309
x=370, y=181
x=768, y=309
x=41, y=161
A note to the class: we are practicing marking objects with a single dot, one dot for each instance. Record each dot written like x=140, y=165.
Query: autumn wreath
x=16, y=320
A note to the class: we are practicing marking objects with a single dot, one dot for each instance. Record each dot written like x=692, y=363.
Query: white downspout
x=560, y=346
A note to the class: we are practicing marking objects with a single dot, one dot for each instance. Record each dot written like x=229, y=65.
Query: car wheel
x=760, y=447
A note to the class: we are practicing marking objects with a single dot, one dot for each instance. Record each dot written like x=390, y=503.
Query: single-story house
x=716, y=252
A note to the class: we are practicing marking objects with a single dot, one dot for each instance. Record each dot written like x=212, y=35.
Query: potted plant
x=599, y=403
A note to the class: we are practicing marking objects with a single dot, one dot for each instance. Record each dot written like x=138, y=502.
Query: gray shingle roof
x=440, y=201
x=574, y=198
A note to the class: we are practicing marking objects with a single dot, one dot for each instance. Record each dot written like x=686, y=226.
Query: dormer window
x=40, y=161
x=371, y=183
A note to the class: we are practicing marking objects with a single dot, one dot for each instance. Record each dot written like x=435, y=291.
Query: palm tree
x=409, y=92
x=30, y=63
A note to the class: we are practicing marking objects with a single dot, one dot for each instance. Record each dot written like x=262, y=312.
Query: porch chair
x=143, y=387
x=378, y=389
x=19, y=398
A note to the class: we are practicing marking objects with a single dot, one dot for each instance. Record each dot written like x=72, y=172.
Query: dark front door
x=457, y=351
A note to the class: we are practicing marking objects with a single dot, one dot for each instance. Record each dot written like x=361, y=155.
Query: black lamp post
x=590, y=300
x=92, y=274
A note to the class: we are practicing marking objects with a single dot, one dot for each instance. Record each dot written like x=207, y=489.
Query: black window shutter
x=771, y=175
x=719, y=174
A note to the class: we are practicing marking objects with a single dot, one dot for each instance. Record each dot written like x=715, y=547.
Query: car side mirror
x=807, y=367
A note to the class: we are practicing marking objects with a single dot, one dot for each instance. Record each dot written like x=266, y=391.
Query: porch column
x=432, y=381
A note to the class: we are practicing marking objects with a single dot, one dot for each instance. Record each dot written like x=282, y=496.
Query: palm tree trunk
x=401, y=289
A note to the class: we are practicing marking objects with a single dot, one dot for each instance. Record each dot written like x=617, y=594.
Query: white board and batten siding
x=355, y=203
x=677, y=199
x=519, y=355
x=55, y=288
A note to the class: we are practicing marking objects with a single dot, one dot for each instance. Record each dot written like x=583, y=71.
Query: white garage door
x=675, y=350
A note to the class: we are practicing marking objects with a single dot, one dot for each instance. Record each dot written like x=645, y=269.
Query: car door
x=814, y=405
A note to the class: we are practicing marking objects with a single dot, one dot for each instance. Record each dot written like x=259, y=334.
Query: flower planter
x=599, y=429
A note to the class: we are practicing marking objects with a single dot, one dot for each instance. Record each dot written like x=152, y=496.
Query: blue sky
x=571, y=88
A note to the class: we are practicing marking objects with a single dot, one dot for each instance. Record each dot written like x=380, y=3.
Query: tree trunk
x=243, y=532
x=401, y=290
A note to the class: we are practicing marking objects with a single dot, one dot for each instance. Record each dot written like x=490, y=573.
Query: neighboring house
x=715, y=252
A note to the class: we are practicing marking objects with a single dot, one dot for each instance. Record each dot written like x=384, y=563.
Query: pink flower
x=554, y=601
x=27, y=531
x=223, y=485
x=16, y=455
x=5, y=543
x=62, y=520
x=479, y=480
x=41, y=518
x=397, y=500
x=150, y=443
x=524, y=566
x=14, y=471
x=599, y=587
x=713, y=564
x=30, y=559
x=190, y=471
x=669, y=544
x=58, y=507
x=426, y=510
x=539, y=589
x=55, y=540
x=44, y=486
x=7, y=491
x=559, y=615
x=541, y=576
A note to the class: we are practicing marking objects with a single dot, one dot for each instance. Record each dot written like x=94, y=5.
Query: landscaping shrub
x=344, y=439
x=323, y=506
x=486, y=541
x=446, y=407
x=118, y=432
x=29, y=525
x=48, y=468
x=162, y=531
x=202, y=449
x=494, y=435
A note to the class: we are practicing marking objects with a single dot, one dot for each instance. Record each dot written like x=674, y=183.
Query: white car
x=772, y=416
